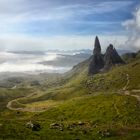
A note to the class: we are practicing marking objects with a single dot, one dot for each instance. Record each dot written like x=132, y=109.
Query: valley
x=75, y=105
x=70, y=70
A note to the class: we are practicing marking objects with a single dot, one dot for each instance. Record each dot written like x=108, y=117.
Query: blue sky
x=49, y=21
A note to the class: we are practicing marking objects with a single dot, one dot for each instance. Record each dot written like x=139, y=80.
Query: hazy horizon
x=35, y=26
x=44, y=25
x=38, y=62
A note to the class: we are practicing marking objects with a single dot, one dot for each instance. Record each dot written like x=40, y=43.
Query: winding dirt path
x=125, y=91
x=9, y=105
x=131, y=92
x=127, y=83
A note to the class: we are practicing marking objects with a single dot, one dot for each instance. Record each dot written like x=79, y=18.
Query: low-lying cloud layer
x=28, y=63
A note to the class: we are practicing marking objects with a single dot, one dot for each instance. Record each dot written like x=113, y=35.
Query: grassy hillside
x=107, y=116
x=80, y=84
x=10, y=94
x=78, y=107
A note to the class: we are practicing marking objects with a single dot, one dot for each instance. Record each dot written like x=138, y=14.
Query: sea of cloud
x=28, y=63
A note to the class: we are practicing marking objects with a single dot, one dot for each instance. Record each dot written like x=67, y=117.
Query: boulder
x=58, y=126
x=34, y=126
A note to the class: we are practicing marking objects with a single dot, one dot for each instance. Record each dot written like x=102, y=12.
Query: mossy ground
x=81, y=118
x=84, y=108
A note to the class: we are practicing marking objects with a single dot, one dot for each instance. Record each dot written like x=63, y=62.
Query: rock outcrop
x=130, y=56
x=111, y=58
x=100, y=62
x=97, y=61
x=97, y=46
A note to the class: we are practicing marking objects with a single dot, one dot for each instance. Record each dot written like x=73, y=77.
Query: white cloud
x=18, y=42
x=133, y=25
x=14, y=13
x=29, y=63
x=17, y=9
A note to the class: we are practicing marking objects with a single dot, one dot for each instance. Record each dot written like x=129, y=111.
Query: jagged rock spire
x=97, y=46
x=112, y=57
x=97, y=61
x=100, y=62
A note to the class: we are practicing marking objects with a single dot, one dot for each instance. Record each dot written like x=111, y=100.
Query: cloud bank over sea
x=40, y=62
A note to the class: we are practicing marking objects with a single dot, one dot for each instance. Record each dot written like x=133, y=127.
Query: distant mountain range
x=66, y=52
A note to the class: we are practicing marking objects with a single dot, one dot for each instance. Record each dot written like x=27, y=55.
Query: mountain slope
x=101, y=106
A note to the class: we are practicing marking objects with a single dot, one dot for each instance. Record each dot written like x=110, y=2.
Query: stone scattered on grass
x=81, y=123
x=33, y=126
x=71, y=126
x=36, y=127
x=29, y=124
x=104, y=133
x=58, y=126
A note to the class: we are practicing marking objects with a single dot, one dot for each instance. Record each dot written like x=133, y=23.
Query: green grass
x=80, y=84
x=116, y=78
x=7, y=95
x=97, y=113
x=101, y=108
x=16, y=104
x=84, y=106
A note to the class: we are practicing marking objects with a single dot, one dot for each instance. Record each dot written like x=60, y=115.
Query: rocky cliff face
x=97, y=61
x=111, y=57
x=97, y=46
x=100, y=62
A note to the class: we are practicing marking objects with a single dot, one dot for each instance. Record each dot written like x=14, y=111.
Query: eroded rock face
x=97, y=46
x=96, y=64
x=97, y=61
x=111, y=58
x=100, y=62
